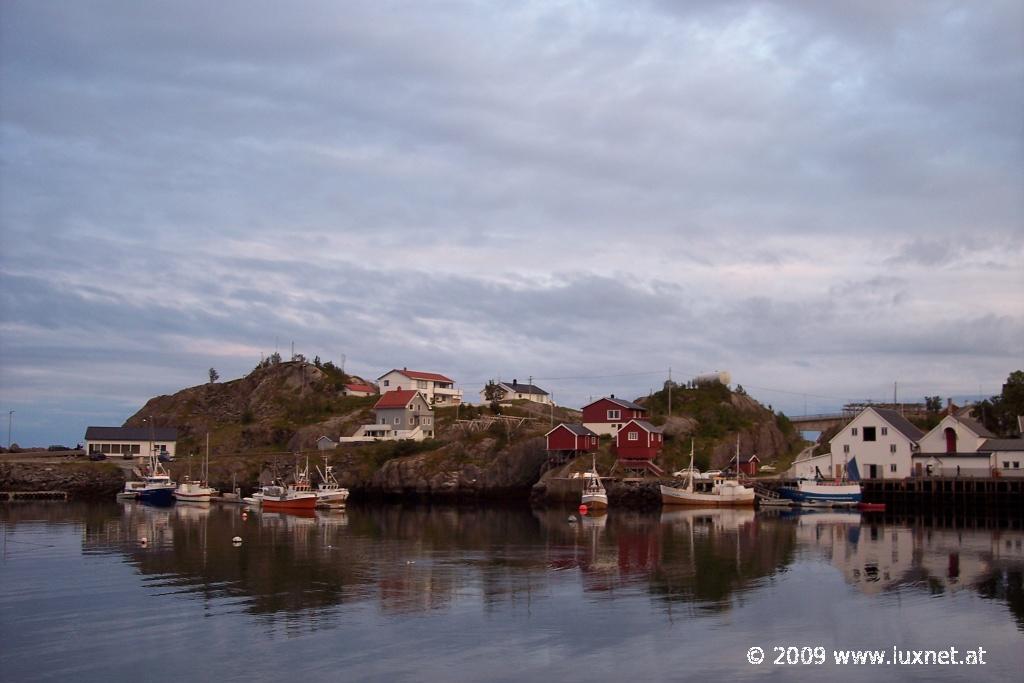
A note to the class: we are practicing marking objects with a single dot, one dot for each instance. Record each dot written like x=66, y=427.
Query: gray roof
x=131, y=434
x=618, y=401
x=975, y=427
x=647, y=425
x=1002, y=445
x=900, y=423
x=524, y=388
x=577, y=429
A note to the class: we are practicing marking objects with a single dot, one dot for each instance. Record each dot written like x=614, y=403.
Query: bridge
x=820, y=422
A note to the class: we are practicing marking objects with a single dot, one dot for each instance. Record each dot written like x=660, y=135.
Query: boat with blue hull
x=154, y=487
x=824, y=493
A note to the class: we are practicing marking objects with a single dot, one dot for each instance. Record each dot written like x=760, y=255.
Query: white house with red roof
x=437, y=389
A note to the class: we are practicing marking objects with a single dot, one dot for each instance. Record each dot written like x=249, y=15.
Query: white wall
x=144, y=447
x=850, y=443
x=935, y=440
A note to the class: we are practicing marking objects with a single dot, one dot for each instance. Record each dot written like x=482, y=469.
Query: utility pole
x=552, y=397
x=10, y=419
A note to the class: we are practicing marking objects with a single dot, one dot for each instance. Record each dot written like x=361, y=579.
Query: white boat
x=329, y=493
x=190, y=491
x=719, y=492
x=594, y=496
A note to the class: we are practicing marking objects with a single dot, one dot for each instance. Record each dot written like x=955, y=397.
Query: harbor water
x=111, y=592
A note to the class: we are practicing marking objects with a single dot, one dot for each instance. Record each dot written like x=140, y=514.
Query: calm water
x=508, y=594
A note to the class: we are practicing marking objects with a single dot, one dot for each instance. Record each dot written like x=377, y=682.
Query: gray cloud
x=815, y=195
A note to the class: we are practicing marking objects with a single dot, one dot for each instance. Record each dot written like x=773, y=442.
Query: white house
x=808, y=466
x=516, y=391
x=961, y=446
x=131, y=442
x=437, y=389
x=882, y=441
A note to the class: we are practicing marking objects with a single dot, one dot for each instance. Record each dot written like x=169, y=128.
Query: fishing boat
x=190, y=491
x=718, y=492
x=824, y=493
x=298, y=495
x=277, y=497
x=157, y=487
x=594, y=496
x=329, y=493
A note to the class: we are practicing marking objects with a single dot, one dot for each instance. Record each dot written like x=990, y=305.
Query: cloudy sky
x=821, y=198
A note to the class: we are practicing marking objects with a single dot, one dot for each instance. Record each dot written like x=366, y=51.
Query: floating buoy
x=143, y=540
x=583, y=509
x=572, y=519
x=237, y=540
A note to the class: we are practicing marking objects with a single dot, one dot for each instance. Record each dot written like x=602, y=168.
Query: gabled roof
x=749, y=458
x=900, y=423
x=399, y=398
x=645, y=425
x=131, y=434
x=619, y=402
x=1002, y=445
x=577, y=429
x=416, y=374
x=523, y=388
x=360, y=387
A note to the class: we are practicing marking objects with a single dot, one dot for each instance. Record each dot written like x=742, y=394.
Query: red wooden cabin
x=748, y=464
x=571, y=437
x=637, y=444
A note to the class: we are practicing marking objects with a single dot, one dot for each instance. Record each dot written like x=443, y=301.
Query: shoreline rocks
x=80, y=480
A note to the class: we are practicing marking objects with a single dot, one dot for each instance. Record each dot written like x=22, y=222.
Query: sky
x=824, y=199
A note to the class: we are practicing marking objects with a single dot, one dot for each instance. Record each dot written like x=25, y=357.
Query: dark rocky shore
x=80, y=480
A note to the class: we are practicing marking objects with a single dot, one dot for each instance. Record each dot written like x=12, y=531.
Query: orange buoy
x=583, y=509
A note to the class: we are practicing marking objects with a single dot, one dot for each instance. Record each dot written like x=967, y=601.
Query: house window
x=614, y=414
x=853, y=431
x=1016, y=464
x=885, y=431
x=398, y=420
x=136, y=449
x=593, y=440
x=892, y=448
x=421, y=384
x=1006, y=464
x=869, y=433
x=633, y=436
x=387, y=383
x=846, y=448
x=892, y=467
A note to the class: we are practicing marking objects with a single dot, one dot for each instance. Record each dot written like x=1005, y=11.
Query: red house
x=608, y=415
x=571, y=437
x=637, y=444
x=748, y=464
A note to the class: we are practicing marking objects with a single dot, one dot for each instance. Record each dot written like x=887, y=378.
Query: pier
x=995, y=492
x=8, y=496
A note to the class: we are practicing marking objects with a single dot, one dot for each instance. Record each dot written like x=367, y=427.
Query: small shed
x=326, y=443
x=749, y=464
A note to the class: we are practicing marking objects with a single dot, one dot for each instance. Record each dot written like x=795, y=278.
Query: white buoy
x=237, y=540
x=143, y=540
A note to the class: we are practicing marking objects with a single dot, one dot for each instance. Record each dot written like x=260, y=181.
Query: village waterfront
x=118, y=591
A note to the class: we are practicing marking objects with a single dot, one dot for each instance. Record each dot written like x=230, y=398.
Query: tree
x=213, y=376
x=999, y=413
x=933, y=404
x=492, y=392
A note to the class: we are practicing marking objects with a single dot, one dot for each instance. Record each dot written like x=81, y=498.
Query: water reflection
x=309, y=569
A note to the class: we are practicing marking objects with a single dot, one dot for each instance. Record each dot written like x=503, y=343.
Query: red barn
x=608, y=415
x=571, y=437
x=637, y=444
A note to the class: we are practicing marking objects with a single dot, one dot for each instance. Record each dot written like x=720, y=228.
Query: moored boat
x=329, y=493
x=719, y=492
x=190, y=491
x=822, y=493
x=279, y=497
x=594, y=495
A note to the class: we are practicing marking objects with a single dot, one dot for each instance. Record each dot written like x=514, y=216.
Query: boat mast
x=689, y=485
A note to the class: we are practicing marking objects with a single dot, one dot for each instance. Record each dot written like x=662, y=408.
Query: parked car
x=685, y=472
x=165, y=457
x=711, y=474
x=97, y=455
